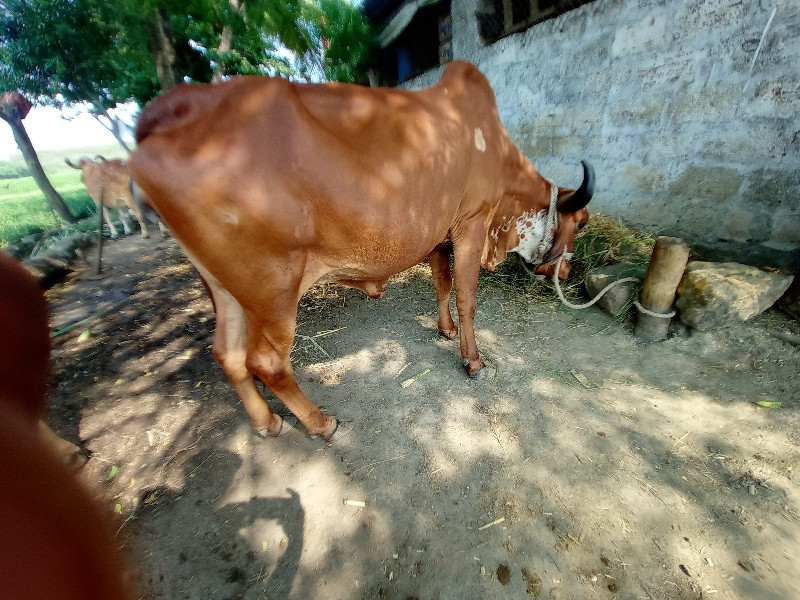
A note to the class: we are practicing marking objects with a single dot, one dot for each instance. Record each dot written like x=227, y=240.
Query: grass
x=23, y=210
x=53, y=160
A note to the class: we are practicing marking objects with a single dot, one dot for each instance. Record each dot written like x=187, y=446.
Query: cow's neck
x=524, y=221
x=536, y=231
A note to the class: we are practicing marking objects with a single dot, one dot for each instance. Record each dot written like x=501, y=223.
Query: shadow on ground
x=589, y=465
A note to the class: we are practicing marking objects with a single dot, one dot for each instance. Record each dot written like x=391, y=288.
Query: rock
x=615, y=298
x=30, y=240
x=18, y=250
x=714, y=294
x=57, y=260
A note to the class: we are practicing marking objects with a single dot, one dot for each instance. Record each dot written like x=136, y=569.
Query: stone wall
x=660, y=97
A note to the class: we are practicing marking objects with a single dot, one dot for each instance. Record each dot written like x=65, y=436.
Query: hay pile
x=604, y=241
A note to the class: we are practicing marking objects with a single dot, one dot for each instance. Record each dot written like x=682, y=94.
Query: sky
x=53, y=129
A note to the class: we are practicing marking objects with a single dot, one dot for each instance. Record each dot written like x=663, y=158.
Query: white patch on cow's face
x=480, y=142
x=531, y=229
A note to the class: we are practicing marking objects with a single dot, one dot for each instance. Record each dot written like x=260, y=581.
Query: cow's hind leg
x=439, y=260
x=137, y=213
x=110, y=223
x=127, y=223
x=230, y=350
x=268, y=359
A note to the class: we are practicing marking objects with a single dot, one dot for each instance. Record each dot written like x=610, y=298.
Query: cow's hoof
x=343, y=429
x=285, y=425
x=330, y=428
x=76, y=459
x=478, y=370
x=449, y=335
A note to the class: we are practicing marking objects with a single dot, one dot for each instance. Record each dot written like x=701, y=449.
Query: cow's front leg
x=439, y=260
x=467, y=262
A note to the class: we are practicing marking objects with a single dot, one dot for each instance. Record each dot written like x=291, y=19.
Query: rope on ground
x=602, y=292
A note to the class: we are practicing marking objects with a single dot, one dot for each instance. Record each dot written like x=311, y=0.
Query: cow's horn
x=69, y=163
x=580, y=197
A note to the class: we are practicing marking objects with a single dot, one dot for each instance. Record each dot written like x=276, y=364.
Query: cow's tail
x=180, y=105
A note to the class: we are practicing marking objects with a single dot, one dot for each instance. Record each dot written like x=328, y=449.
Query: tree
x=347, y=41
x=62, y=52
x=13, y=108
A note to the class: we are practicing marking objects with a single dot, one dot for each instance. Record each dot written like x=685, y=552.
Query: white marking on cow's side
x=230, y=216
x=480, y=142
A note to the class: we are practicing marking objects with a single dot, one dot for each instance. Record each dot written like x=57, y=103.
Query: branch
x=112, y=129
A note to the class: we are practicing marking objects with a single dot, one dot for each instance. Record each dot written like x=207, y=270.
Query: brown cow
x=108, y=183
x=54, y=540
x=272, y=186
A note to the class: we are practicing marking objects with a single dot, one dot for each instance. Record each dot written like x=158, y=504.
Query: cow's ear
x=573, y=201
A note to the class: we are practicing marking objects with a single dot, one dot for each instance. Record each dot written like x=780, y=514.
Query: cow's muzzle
x=546, y=269
x=548, y=265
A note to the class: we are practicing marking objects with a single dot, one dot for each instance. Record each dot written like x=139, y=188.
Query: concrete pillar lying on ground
x=667, y=264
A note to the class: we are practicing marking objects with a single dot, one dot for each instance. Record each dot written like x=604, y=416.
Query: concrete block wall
x=659, y=96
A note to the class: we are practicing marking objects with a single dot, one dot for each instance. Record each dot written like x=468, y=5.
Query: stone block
x=773, y=188
x=775, y=98
x=711, y=184
x=746, y=226
x=568, y=145
x=712, y=16
x=648, y=34
x=673, y=67
x=786, y=231
x=772, y=141
x=642, y=179
x=644, y=110
x=615, y=299
x=709, y=103
x=715, y=294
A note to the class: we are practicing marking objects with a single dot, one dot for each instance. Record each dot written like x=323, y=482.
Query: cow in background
x=108, y=184
x=272, y=186
x=55, y=542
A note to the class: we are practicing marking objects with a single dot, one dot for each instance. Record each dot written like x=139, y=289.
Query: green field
x=23, y=210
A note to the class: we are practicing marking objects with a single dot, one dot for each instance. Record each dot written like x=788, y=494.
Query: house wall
x=658, y=95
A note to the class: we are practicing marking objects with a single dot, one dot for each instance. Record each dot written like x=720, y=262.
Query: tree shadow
x=598, y=484
x=221, y=560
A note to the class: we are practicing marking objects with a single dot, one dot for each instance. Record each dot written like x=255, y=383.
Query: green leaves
x=104, y=53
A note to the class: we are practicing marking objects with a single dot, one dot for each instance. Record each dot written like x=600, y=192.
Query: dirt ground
x=589, y=466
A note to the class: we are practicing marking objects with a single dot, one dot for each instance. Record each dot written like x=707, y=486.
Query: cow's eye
x=581, y=224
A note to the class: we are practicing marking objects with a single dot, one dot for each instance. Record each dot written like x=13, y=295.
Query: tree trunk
x=162, y=50
x=10, y=113
x=226, y=40
x=225, y=44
